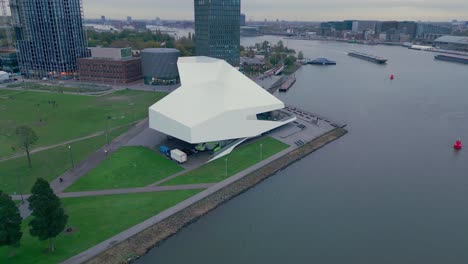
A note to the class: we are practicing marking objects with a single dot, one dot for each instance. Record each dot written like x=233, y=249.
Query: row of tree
x=48, y=217
x=139, y=40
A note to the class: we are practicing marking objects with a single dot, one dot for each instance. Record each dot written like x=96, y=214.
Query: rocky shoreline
x=138, y=245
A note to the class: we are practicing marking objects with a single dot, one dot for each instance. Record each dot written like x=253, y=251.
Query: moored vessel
x=368, y=57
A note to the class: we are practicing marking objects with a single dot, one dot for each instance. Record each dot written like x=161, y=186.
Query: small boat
x=458, y=145
x=322, y=61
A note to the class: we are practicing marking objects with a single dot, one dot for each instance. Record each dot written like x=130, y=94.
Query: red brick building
x=110, y=65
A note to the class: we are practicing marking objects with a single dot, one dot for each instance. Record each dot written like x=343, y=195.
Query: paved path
x=96, y=158
x=36, y=150
x=127, y=191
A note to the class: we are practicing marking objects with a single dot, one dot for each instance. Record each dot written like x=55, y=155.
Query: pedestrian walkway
x=36, y=150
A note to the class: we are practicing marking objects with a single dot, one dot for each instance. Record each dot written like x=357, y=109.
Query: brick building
x=110, y=65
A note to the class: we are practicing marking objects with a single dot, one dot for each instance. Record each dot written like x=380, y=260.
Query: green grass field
x=95, y=219
x=239, y=160
x=75, y=115
x=81, y=89
x=129, y=167
x=16, y=176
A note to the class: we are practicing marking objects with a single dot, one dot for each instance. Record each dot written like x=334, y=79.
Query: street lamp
x=71, y=156
x=226, y=167
x=107, y=129
x=21, y=193
x=261, y=152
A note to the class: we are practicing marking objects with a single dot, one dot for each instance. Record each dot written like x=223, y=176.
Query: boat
x=322, y=61
x=367, y=57
x=456, y=59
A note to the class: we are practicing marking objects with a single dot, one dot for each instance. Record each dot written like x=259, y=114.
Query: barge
x=367, y=57
x=288, y=83
x=463, y=60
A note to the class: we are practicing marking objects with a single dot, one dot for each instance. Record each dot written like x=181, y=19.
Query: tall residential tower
x=50, y=36
x=217, y=30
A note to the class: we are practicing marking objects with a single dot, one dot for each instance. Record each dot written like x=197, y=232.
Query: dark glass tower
x=50, y=36
x=217, y=30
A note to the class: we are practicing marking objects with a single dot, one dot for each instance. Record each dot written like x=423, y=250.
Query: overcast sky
x=306, y=10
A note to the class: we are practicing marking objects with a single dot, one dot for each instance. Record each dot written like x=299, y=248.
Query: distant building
x=159, y=66
x=217, y=31
x=50, y=37
x=139, y=25
x=407, y=28
x=328, y=28
x=242, y=20
x=129, y=19
x=9, y=61
x=431, y=32
x=250, y=31
x=362, y=25
x=103, y=19
x=452, y=43
x=110, y=65
x=385, y=26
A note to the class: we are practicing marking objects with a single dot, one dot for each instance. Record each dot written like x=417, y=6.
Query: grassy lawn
x=48, y=164
x=129, y=167
x=239, y=160
x=75, y=115
x=83, y=88
x=95, y=219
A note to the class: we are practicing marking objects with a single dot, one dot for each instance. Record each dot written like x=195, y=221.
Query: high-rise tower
x=50, y=36
x=217, y=31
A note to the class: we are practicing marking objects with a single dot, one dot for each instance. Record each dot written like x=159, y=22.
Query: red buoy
x=458, y=145
x=392, y=77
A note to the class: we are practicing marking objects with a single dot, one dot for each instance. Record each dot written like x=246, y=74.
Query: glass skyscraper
x=217, y=29
x=50, y=36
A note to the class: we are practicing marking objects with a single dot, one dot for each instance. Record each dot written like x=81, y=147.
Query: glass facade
x=50, y=36
x=217, y=29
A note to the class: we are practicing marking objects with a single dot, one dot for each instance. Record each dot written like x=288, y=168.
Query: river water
x=391, y=191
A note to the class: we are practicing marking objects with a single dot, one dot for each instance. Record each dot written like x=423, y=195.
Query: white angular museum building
x=215, y=102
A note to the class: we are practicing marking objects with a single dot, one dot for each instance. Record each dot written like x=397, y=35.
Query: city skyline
x=299, y=10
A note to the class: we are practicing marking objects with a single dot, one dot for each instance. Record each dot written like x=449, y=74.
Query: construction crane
x=3, y=4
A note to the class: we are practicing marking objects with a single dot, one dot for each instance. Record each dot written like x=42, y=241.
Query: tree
x=280, y=45
x=27, y=137
x=289, y=60
x=300, y=56
x=10, y=222
x=49, y=218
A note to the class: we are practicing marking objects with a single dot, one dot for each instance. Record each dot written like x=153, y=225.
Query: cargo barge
x=288, y=83
x=463, y=60
x=367, y=57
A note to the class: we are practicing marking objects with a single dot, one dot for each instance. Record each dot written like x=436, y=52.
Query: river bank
x=138, y=245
